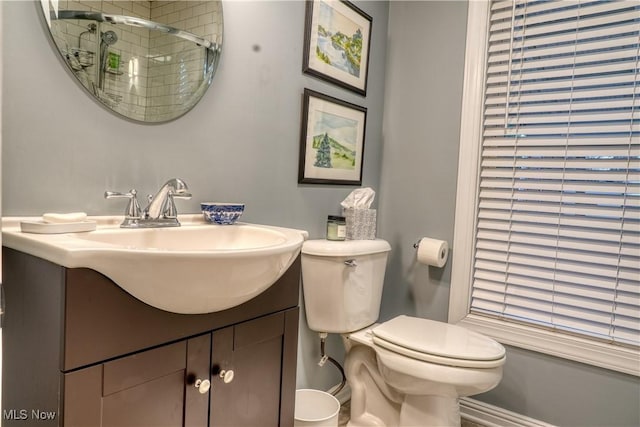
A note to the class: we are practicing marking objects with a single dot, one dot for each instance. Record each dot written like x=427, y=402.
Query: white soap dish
x=41, y=227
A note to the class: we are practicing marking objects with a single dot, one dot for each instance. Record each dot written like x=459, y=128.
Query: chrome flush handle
x=351, y=263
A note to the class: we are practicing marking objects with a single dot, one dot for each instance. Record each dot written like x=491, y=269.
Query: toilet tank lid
x=323, y=247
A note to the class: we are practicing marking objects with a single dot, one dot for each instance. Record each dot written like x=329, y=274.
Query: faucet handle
x=133, y=208
x=169, y=209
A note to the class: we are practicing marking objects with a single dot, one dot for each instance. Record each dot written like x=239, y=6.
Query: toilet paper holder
x=432, y=252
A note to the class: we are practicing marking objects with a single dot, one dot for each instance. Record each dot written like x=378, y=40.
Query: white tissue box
x=361, y=223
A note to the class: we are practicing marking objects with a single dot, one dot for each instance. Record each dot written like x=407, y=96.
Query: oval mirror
x=150, y=61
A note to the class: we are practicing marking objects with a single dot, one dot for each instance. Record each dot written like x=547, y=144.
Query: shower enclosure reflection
x=150, y=61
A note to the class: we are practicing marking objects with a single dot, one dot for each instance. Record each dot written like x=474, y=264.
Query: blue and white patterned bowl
x=221, y=213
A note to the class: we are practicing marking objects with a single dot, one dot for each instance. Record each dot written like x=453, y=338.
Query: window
x=548, y=236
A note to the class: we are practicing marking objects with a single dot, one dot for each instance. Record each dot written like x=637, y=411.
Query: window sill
x=608, y=356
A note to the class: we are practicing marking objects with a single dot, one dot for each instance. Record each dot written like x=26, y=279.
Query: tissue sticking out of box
x=360, y=198
x=360, y=219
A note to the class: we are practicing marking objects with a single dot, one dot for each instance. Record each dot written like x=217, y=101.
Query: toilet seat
x=438, y=342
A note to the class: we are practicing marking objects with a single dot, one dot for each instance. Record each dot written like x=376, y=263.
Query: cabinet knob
x=203, y=386
x=227, y=376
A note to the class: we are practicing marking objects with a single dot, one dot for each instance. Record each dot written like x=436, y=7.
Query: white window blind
x=558, y=215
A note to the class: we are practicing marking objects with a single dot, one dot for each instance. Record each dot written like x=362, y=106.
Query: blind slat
x=562, y=105
x=561, y=140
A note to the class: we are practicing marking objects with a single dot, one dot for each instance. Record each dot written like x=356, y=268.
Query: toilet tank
x=342, y=283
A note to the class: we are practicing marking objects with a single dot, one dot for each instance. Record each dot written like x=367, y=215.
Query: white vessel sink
x=192, y=269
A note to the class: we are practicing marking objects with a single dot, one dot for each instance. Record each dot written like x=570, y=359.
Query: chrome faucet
x=161, y=205
x=161, y=210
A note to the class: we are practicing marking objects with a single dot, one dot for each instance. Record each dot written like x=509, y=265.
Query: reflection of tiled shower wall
x=149, y=81
x=124, y=88
x=127, y=85
x=175, y=69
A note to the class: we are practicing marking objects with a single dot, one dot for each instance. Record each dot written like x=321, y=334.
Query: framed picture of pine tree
x=331, y=141
x=336, y=43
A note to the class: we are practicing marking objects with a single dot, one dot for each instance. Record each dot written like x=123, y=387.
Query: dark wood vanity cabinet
x=79, y=351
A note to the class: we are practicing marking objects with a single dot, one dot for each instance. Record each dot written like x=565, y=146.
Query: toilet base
x=370, y=405
x=429, y=411
x=419, y=411
x=374, y=403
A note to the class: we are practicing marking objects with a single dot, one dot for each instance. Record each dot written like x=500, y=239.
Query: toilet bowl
x=403, y=372
x=425, y=376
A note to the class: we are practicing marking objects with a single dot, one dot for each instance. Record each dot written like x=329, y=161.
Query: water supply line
x=323, y=359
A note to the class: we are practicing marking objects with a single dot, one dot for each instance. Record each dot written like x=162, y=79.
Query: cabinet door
x=253, y=351
x=151, y=388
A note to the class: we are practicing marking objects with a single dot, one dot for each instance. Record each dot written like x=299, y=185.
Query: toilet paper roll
x=433, y=252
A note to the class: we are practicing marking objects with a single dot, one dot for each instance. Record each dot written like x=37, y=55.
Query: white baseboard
x=493, y=416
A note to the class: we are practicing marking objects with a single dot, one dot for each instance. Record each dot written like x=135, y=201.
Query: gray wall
x=62, y=150
x=421, y=128
x=421, y=132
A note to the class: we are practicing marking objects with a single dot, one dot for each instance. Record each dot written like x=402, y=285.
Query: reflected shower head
x=109, y=37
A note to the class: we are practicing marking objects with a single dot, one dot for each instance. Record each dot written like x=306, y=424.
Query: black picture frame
x=332, y=140
x=337, y=43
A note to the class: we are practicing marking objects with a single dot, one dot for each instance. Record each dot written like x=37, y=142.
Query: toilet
x=406, y=371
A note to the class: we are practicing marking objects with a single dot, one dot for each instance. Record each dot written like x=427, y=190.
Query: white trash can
x=316, y=408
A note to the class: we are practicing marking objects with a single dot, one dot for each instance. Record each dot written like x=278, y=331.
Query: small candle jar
x=336, y=228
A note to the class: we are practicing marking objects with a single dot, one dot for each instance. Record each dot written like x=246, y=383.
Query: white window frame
x=597, y=353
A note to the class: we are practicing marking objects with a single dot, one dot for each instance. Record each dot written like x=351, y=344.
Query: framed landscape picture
x=332, y=140
x=337, y=41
